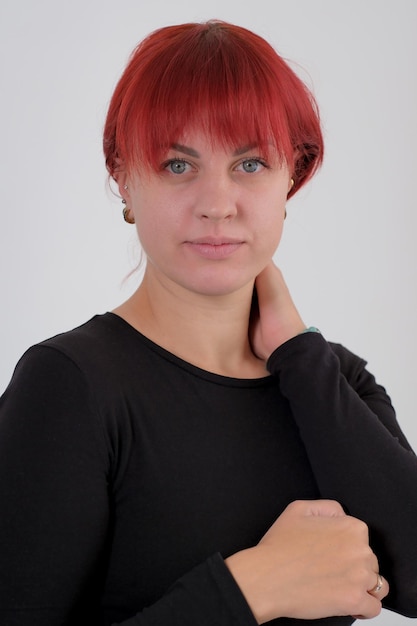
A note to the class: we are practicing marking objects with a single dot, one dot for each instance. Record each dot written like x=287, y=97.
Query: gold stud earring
x=292, y=183
x=126, y=214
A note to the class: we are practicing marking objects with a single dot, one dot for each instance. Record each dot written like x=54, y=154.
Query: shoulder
x=103, y=348
x=56, y=371
x=83, y=362
x=65, y=354
x=49, y=404
x=94, y=335
x=69, y=387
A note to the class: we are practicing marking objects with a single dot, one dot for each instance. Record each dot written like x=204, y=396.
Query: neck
x=210, y=332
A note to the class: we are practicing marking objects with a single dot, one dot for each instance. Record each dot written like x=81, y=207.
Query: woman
x=200, y=456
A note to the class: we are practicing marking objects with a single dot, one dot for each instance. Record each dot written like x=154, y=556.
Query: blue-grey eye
x=250, y=165
x=177, y=166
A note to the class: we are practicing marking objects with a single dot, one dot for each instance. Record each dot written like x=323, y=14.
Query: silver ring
x=379, y=584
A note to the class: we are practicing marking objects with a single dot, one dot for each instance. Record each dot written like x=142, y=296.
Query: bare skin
x=277, y=319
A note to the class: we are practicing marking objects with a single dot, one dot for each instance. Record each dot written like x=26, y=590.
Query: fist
x=313, y=562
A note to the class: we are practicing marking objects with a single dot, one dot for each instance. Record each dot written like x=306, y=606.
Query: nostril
x=217, y=213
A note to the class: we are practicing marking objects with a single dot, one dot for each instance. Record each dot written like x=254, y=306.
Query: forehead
x=195, y=142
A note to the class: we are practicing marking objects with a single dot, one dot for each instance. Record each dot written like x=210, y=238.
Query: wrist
x=248, y=569
x=241, y=567
x=286, y=334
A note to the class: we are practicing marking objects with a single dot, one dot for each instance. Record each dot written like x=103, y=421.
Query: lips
x=215, y=241
x=214, y=247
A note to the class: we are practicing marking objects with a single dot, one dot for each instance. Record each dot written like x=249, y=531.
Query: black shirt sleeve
x=205, y=596
x=55, y=522
x=53, y=493
x=357, y=451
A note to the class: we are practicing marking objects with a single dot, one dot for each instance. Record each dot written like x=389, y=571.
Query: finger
x=381, y=588
x=378, y=593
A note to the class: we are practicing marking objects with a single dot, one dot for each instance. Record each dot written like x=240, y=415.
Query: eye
x=177, y=166
x=254, y=164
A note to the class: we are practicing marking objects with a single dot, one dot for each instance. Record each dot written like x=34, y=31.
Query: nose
x=217, y=200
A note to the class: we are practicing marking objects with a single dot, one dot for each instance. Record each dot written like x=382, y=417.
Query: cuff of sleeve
x=206, y=595
x=231, y=592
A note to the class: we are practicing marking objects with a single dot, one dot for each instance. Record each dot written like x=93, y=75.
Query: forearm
x=206, y=595
x=355, y=458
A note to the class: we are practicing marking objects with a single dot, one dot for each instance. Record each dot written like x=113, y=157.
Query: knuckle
x=362, y=528
x=297, y=506
x=358, y=525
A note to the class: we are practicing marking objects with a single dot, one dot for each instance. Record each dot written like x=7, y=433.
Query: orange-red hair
x=213, y=76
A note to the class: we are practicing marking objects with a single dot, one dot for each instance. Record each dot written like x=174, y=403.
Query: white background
x=349, y=250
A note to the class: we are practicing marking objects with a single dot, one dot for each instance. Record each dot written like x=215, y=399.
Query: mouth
x=214, y=247
x=215, y=241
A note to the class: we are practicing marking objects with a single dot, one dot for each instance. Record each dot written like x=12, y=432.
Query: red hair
x=218, y=77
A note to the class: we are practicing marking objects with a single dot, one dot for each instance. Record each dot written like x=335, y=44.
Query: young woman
x=200, y=456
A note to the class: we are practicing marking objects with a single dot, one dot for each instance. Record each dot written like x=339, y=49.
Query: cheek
x=270, y=226
x=157, y=228
x=276, y=234
x=270, y=217
x=149, y=232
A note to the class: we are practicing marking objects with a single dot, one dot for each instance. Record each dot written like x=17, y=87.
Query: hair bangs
x=217, y=78
x=232, y=107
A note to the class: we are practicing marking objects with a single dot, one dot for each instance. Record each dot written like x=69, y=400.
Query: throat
x=213, y=352
x=214, y=338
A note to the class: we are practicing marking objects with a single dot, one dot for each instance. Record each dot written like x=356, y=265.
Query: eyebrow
x=191, y=152
x=185, y=150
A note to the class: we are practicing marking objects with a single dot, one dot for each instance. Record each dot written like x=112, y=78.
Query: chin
x=215, y=287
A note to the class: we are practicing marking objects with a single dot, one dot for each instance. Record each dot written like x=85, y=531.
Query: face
x=210, y=220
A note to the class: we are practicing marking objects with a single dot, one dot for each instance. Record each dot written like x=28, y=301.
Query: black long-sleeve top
x=127, y=475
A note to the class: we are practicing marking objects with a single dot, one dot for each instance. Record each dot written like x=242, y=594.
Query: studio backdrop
x=349, y=247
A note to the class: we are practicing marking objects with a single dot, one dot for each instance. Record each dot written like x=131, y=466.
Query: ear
x=291, y=169
x=120, y=176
